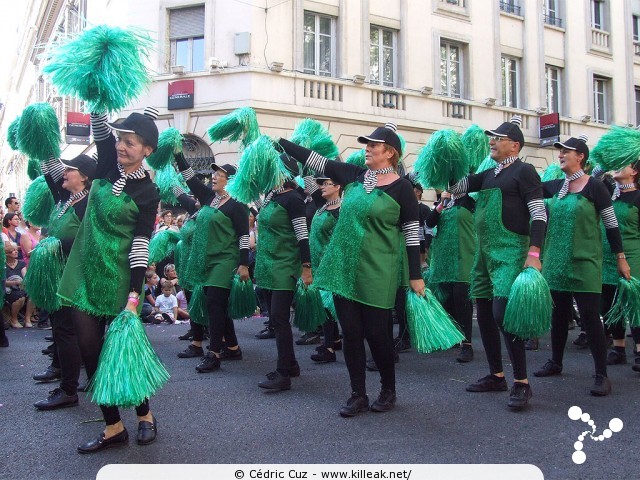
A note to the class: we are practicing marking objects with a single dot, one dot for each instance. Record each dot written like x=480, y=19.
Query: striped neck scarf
x=118, y=186
x=503, y=164
x=72, y=199
x=337, y=201
x=453, y=199
x=371, y=177
x=567, y=180
x=618, y=190
x=215, y=203
x=271, y=194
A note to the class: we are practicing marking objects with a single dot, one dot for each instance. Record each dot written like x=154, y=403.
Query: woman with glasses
x=219, y=250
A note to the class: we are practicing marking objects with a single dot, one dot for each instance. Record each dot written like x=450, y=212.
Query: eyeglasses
x=495, y=138
x=328, y=184
x=219, y=175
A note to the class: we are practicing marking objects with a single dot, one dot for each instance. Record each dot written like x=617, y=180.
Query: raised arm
x=203, y=193
x=105, y=144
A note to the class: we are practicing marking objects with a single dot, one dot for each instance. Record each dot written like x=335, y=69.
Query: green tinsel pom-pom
x=436, y=289
x=162, y=245
x=129, y=370
x=241, y=125
x=166, y=178
x=487, y=164
x=33, y=169
x=198, y=306
x=626, y=304
x=552, y=172
x=313, y=135
x=529, y=307
x=38, y=203
x=310, y=313
x=476, y=144
x=169, y=142
x=327, y=302
x=46, y=265
x=38, y=134
x=242, y=299
x=430, y=326
x=616, y=149
x=12, y=133
x=357, y=158
x=259, y=171
x=443, y=160
x=104, y=66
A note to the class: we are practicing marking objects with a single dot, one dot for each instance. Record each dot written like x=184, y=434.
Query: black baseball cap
x=578, y=144
x=84, y=164
x=386, y=134
x=321, y=180
x=510, y=130
x=141, y=124
x=226, y=168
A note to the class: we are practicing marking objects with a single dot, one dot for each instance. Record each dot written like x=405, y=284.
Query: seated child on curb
x=166, y=308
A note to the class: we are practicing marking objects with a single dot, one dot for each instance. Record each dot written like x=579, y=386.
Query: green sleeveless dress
x=96, y=279
x=278, y=263
x=367, y=240
x=501, y=253
x=627, y=215
x=453, y=247
x=572, y=258
x=182, y=252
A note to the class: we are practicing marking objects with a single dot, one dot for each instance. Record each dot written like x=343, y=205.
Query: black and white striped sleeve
x=531, y=193
x=410, y=224
x=99, y=127
x=105, y=144
x=139, y=254
x=411, y=232
x=296, y=209
x=604, y=206
x=147, y=203
x=54, y=168
x=239, y=215
x=471, y=183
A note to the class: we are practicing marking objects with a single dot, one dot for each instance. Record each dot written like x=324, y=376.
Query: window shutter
x=186, y=22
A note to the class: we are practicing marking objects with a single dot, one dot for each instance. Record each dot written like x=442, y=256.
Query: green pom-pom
x=443, y=160
x=327, y=302
x=403, y=144
x=487, y=163
x=162, y=245
x=38, y=203
x=436, y=288
x=169, y=142
x=430, y=326
x=310, y=313
x=129, y=371
x=104, y=66
x=46, y=265
x=476, y=144
x=241, y=125
x=259, y=171
x=626, y=304
x=616, y=149
x=12, y=133
x=38, y=133
x=167, y=178
x=33, y=169
x=529, y=307
x=198, y=306
x=313, y=135
x=242, y=299
x=357, y=158
x=552, y=172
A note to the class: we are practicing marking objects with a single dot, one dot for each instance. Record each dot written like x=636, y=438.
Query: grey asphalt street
x=223, y=417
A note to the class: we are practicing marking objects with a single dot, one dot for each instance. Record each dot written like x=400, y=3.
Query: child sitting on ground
x=166, y=308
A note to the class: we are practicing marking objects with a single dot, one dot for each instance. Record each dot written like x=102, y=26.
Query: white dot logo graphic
x=575, y=413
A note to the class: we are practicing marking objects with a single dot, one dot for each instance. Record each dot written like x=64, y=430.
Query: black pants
x=66, y=354
x=279, y=315
x=331, y=333
x=220, y=325
x=490, y=321
x=360, y=322
x=459, y=306
x=262, y=295
x=401, y=314
x=90, y=334
x=589, y=309
x=618, y=330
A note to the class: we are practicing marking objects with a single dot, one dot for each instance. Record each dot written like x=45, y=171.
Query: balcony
x=456, y=109
x=552, y=20
x=323, y=90
x=636, y=48
x=510, y=7
x=600, y=40
x=388, y=99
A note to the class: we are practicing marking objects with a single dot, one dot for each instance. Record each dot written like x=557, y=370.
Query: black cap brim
x=562, y=145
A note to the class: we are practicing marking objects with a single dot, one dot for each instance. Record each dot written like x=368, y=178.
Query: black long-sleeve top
x=466, y=202
x=400, y=190
x=293, y=202
x=142, y=191
x=523, y=209
x=233, y=209
x=596, y=192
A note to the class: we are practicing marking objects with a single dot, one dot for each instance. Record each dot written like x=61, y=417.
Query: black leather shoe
x=466, y=353
x=385, y=401
x=601, y=386
x=490, y=383
x=101, y=443
x=48, y=338
x=519, y=396
x=276, y=381
x=266, y=334
x=191, y=352
x=548, y=369
x=49, y=349
x=51, y=374
x=186, y=336
x=209, y=363
x=57, y=399
x=636, y=364
x=147, y=431
x=227, y=354
x=323, y=355
x=615, y=357
x=355, y=405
